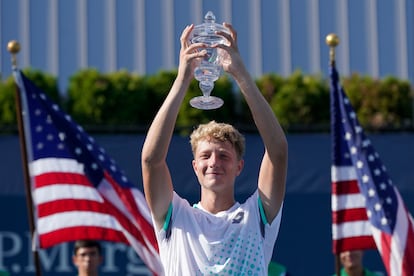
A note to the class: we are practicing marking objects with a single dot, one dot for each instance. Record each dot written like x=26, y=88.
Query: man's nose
x=213, y=160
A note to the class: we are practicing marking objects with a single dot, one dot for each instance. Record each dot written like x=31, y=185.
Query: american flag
x=367, y=209
x=78, y=191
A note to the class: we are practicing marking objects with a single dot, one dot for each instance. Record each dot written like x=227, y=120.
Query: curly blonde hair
x=221, y=132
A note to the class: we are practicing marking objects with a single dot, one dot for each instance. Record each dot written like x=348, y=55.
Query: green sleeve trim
x=262, y=212
x=168, y=218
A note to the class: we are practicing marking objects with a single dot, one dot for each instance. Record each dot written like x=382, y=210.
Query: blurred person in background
x=352, y=265
x=87, y=257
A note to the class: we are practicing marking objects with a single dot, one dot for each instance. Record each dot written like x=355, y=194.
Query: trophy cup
x=209, y=69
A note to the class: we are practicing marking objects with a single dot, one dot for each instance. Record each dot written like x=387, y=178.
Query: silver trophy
x=209, y=69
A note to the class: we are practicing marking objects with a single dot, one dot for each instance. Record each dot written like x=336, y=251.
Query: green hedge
x=124, y=101
x=386, y=103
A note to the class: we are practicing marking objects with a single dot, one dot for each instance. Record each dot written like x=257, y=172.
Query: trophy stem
x=206, y=87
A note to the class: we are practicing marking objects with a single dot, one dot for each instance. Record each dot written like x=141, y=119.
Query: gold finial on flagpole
x=13, y=47
x=332, y=40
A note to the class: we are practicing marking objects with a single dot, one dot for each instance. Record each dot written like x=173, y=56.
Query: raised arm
x=273, y=169
x=158, y=187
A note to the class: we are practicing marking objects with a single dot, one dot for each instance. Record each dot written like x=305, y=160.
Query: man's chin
x=215, y=186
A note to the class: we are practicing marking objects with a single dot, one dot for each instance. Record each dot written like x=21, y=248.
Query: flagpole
x=332, y=41
x=14, y=47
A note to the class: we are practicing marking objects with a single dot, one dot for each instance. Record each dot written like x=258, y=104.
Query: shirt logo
x=238, y=218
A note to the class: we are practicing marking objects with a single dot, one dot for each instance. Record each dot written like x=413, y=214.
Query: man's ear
x=194, y=164
x=240, y=167
x=74, y=261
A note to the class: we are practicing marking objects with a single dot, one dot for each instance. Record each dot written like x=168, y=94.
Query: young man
x=218, y=235
x=87, y=257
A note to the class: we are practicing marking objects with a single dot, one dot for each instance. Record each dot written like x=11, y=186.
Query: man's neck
x=214, y=203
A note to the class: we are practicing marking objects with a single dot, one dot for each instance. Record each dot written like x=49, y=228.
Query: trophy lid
x=206, y=32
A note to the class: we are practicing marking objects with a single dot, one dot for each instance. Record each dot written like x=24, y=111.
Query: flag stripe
x=45, y=165
x=60, y=177
x=68, y=205
x=72, y=219
x=350, y=229
x=76, y=233
x=343, y=173
x=354, y=243
x=344, y=202
x=345, y=187
x=65, y=191
x=349, y=215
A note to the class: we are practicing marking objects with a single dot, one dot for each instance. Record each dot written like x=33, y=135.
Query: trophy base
x=206, y=103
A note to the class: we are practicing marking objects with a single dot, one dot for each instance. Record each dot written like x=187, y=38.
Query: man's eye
x=224, y=156
x=92, y=254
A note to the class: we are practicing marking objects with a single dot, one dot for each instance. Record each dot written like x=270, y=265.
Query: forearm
x=266, y=122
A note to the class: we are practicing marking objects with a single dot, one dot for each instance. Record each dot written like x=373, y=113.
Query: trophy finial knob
x=209, y=17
